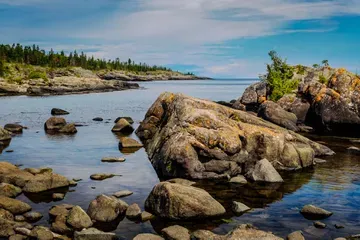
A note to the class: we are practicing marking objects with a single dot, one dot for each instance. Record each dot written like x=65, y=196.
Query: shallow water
x=334, y=185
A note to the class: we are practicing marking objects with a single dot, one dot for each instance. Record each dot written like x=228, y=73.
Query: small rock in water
x=133, y=212
x=146, y=216
x=354, y=150
x=102, y=176
x=264, y=171
x=239, y=208
x=319, y=160
x=14, y=128
x=338, y=226
x=298, y=235
x=123, y=193
x=127, y=142
x=9, y=151
x=181, y=181
x=77, y=179
x=129, y=119
x=238, y=180
x=106, y=208
x=19, y=218
x=318, y=224
x=33, y=216
x=72, y=183
x=98, y=119
x=113, y=159
x=58, y=196
x=315, y=213
x=123, y=126
x=58, y=111
x=176, y=232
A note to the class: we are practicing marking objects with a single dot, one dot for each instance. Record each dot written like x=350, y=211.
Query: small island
x=28, y=70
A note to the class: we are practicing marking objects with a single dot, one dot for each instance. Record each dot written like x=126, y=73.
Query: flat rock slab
x=102, y=176
x=123, y=193
x=94, y=234
x=113, y=159
x=126, y=142
x=315, y=213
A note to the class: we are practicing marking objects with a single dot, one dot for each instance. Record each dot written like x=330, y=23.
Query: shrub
x=323, y=79
x=279, y=77
x=2, y=68
x=300, y=69
x=37, y=75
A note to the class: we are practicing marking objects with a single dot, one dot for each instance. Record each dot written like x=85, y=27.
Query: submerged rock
x=113, y=159
x=176, y=232
x=106, y=209
x=241, y=232
x=182, y=135
x=58, y=111
x=123, y=126
x=264, y=171
x=318, y=224
x=14, y=128
x=179, y=202
x=315, y=213
x=94, y=234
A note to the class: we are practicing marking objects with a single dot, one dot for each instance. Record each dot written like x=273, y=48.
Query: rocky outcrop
x=4, y=135
x=197, y=139
x=14, y=128
x=241, y=232
x=179, y=202
x=253, y=96
x=106, y=209
x=272, y=112
x=296, y=105
x=59, y=125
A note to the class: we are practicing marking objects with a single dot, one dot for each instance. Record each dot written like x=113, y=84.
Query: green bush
x=37, y=75
x=279, y=77
x=323, y=79
x=2, y=68
x=300, y=69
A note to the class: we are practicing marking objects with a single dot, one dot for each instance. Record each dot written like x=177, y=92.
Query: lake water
x=334, y=185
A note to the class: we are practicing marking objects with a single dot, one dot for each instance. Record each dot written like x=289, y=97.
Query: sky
x=215, y=38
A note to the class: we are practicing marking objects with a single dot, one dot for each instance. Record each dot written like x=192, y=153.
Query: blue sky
x=217, y=38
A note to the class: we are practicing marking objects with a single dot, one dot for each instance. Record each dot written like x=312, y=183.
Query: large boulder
x=272, y=112
x=253, y=96
x=78, y=219
x=9, y=173
x=183, y=136
x=241, y=232
x=264, y=171
x=4, y=135
x=59, y=125
x=295, y=105
x=179, y=202
x=45, y=181
x=106, y=209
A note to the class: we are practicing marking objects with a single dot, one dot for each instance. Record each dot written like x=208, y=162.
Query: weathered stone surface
x=295, y=105
x=133, y=212
x=13, y=205
x=60, y=225
x=45, y=181
x=123, y=126
x=19, y=218
x=272, y=112
x=94, y=234
x=239, y=208
x=23, y=231
x=113, y=159
x=146, y=216
x=241, y=232
x=318, y=224
x=58, y=196
x=68, y=129
x=55, y=124
x=58, y=111
x=298, y=235
x=4, y=135
x=126, y=142
x=7, y=227
x=101, y=176
x=315, y=213
x=9, y=190
x=33, y=216
x=264, y=171
x=182, y=181
x=253, y=96
x=78, y=219
x=176, y=232
x=129, y=119
x=181, y=134
x=11, y=174
x=123, y=193
x=62, y=209
x=35, y=171
x=4, y=214
x=106, y=209
x=179, y=202
x=14, y=128
x=147, y=236
x=41, y=233
x=240, y=179
x=18, y=237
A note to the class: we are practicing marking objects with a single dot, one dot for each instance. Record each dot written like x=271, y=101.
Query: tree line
x=33, y=55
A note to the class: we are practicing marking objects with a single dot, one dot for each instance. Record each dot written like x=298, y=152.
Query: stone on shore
x=239, y=208
x=147, y=236
x=14, y=128
x=94, y=234
x=9, y=173
x=123, y=193
x=133, y=212
x=182, y=135
x=146, y=216
x=126, y=142
x=33, y=216
x=106, y=209
x=178, y=202
x=9, y=190
x=13, y=205
x=62, y=209
x=264, y=171
x=60, y=225
x=78, y=218
x=176, y=232
x=113, y=159
x=41, y=233
x=240, y=179
x=295, y=105
x=123, y=126
x=58, y=111
x=18, y=237
x=45, y=181
x=298, y=235
x=4, y=214
x=315, y=213
x=7, y=227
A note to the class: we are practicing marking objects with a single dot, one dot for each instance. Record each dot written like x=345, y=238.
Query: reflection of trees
x=254, y=195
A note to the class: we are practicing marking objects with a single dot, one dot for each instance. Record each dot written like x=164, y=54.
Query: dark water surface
x=334, y=185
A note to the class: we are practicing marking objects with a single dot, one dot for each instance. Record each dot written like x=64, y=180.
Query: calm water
x=333, y=185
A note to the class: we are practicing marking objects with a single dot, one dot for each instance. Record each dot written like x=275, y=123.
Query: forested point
x=33, y=55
